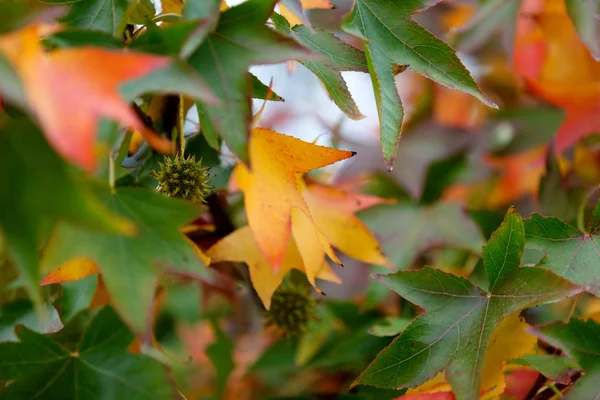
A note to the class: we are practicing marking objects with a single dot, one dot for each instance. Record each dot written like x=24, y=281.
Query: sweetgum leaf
x=130, y=266
x=99, y=368
x=100, y=15
x=38, y=189
x=453, y=334
x=390, y=38
x=579, y=340
x=241, y=39
x=338, y=56
x=570, y=253
x=406, y=230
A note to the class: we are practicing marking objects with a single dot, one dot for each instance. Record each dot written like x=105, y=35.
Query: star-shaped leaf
x=99, y=367
x=70, y=89
x=271, y=189
x=130, y=266
x=406, y=230
x=579, y=340
x=392, y=38
x=240, y=246
x=570, y=253
x=454, y=333
x=338, y=56
x=241, y=39
x=38, y=189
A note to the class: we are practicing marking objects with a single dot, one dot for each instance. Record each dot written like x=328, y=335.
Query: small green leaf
x=570, y=253
x=389, y=326
x=100, y=15
x=77, y=296
x=551, y=366
x=139, y=12
x=241, y=39
x=221, y=356
x=579, y=340
x=99, y=367
x=130, y=265
x=453, y=334
x=391, y=37
x=22, y=312
x=260, y=90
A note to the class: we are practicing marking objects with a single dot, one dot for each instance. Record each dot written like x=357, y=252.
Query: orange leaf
x=240, y=246
x=295, y=19
x=271, y=188
x=72, y=270
x=70, y=89
x=558, y=67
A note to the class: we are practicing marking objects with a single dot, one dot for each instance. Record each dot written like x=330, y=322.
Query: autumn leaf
x=542, y=45
x=391, y=38
x=130, y=266
x=240, y=246
x=38, y=366
x=570, y=253
x=241, y=39
x=455, y=332
x=70, y=89
x=271, y=189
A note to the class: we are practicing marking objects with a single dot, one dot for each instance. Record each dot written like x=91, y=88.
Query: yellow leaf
x=271, y=189
x=72, y=270
x=240, y=246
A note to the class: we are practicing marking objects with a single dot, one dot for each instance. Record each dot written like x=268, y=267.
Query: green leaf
x=14, y=14
x=177, y=78
x=579, y=340
x=551, y=366
x=260, y=90
x=241, y=39
x=220, y=354
x=139, y=12
x=22, y=312
x=77, y=296
x=100, y=15
x=389, y=326
x=570, y=253
x=38, y=189
x=406, y=230
x=453, y=334
x=130, y=266
x=98, y=368
x=337, y=56
x=584, y=14
x=391, y=38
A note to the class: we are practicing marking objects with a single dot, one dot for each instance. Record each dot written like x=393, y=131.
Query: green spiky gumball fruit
x=183, y=178
x=292, y=308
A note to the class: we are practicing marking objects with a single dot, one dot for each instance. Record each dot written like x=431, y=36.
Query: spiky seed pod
x=183, y=178
x=292, y=308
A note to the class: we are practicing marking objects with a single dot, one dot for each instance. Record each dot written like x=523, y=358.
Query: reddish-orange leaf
x=70, y=89
x=73, y=270
x=271, y=189
x=558, y=67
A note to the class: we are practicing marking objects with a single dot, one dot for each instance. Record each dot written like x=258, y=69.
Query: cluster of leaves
x=121, y=256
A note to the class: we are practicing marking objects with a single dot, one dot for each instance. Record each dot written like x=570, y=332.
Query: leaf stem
x=181, y=124
x=111, y=171
x=573, y=307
